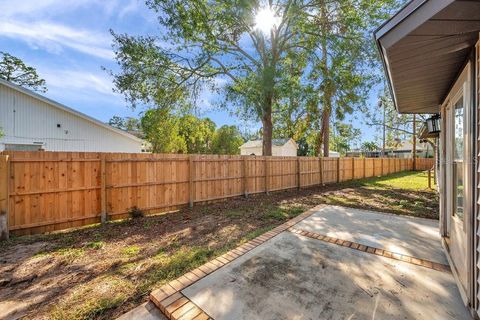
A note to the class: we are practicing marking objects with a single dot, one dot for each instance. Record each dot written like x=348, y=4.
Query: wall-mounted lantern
x=433, y=124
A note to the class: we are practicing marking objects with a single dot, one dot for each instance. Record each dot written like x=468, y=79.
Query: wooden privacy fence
x=47, y=191
x=423, y=164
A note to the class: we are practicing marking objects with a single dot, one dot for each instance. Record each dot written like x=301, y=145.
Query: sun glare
x=266, y=20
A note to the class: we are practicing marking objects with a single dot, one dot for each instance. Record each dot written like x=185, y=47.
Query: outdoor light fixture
x=433, y=124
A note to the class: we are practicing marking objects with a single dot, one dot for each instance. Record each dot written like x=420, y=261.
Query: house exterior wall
x=476, y=244
x=463, y=249
x=285, y=151
x=27, y=120
x=289, y=149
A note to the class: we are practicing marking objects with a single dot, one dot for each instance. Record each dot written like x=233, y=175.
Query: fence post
x=4, y=197
x=338, y=169
x=429, y=179
x=381, y=172
x=320, y=167
x=353, y=168
x=191, y=175
x=245, y=177
x=364, y=168
x=266, y=174
x=103, y=192
x=298, y=173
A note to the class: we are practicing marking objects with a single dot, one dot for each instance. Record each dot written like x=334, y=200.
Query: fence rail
x=47, y=191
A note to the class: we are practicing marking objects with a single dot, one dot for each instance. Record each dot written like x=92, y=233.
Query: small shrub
x=135, y=212
x=403, y=203
x=95, y=245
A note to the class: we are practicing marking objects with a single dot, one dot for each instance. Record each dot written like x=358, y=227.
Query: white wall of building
x=31, y=120
x=287, y=150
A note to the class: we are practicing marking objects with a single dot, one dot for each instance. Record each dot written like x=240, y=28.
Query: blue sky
x=68, y=41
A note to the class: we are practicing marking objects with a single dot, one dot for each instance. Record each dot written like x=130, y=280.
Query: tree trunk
x=318, y=149
x=326, y=130
x=267, y=126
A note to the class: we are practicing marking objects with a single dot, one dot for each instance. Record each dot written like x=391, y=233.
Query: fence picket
x=50, y=191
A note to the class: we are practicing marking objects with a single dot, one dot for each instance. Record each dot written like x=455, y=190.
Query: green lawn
x=414, y=181
x=404, y=193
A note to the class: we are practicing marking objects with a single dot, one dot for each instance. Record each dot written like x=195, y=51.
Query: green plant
x=135, y=212
x=130, y=251
x=95, y=245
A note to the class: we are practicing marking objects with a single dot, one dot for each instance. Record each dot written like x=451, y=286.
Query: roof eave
x=395, y=21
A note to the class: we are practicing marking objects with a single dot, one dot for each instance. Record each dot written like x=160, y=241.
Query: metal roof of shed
x=423, y=48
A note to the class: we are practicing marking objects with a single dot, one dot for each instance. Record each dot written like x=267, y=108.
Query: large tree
x=336, y=79
x=343, y=137
x=13, y=69
x=227, y=140
x=126, y=123
x=243, y=49
x=161, y=130
x=197, y=133
x=346, y=57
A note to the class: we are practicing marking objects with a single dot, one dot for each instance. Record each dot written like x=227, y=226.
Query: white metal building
x=32, y=122
x=280, y=147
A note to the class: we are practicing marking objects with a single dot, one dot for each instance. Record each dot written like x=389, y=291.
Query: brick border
x=372, y=250
x=174, y=305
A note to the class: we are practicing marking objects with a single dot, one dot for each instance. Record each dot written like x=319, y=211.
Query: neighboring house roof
x=66, y=109
x=275, y=142
x=423, y=47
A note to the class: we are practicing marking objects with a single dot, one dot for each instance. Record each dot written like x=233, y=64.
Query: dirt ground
x=105, y=270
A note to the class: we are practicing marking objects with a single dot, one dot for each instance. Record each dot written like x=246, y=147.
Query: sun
x=266, y=20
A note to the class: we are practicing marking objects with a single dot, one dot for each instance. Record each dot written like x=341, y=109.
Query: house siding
x=476, y=266
x=27, y=120
x=289, y=149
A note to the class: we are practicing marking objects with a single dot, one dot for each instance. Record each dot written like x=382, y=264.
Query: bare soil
x=103, y=271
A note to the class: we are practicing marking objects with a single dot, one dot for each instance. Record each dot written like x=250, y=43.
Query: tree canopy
x=343, y=137
x=169, y=133
x=127, y=123
x=226, y=140
x=13, y=69
x=290, y=64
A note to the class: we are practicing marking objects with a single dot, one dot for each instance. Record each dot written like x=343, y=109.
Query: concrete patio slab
x=295, y=277
x=399, y=234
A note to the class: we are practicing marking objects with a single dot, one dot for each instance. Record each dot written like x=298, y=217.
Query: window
x=458, y=155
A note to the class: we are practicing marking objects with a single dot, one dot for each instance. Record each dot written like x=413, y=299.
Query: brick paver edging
x=372, y=250
x=174, y=305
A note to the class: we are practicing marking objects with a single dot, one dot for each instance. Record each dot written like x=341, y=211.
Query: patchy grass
x=69, y=255
x=403, y=193
x=130, y=251
x=101, y=271
x=96, y=245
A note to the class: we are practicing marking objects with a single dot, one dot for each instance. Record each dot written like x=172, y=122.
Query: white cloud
x=45, y=8
x=54, y=37
x=132, y=6
x=77, y=80
x=36, y=23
